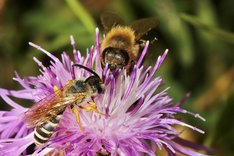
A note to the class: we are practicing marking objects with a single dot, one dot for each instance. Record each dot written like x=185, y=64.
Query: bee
x=122, y=44
x=45, y=115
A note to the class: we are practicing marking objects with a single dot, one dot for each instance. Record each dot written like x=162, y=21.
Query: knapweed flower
x=137, y=119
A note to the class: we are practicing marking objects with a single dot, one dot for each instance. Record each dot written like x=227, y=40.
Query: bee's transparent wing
x=110, y=20
x=142, y=26
x=38, y=113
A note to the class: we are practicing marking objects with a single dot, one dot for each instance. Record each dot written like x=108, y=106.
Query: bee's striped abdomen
x=43, y=132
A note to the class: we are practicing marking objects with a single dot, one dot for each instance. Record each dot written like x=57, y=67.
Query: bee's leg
x=142, y=42
x=92, y=107
x=153, y=40
x=57, y=90
x=77, y=114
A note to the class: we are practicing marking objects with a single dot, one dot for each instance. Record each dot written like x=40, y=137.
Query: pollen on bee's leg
x=92, y=104
x=92, y=107
x=57, y=90
x=77, y=114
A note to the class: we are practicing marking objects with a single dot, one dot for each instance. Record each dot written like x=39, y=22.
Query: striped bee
x=45, y=115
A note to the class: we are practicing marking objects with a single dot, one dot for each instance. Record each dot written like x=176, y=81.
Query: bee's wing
x=142, y=26
x=38, y=113
x=110, y=20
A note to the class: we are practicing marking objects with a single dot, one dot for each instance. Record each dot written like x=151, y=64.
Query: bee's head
x=96, y=85
x=115, y=58
x=93, y=83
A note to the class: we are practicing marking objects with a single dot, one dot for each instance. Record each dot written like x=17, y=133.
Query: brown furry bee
x=122, y=44
x=45, y=115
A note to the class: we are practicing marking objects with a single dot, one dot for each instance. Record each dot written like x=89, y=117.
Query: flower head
x=138, y=118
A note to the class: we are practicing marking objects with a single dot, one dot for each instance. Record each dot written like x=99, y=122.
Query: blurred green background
x=198, y=33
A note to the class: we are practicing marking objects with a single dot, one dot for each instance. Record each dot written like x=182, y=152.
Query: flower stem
x=82, y=14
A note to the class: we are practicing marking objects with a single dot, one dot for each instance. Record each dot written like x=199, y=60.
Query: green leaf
x=83, y=15
x=219, y=33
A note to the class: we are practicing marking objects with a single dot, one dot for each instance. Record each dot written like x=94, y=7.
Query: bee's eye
x=109, y=54
x=122, y=57
x=95, y=84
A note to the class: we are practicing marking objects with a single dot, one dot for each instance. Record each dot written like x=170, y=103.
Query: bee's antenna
x=86, y=68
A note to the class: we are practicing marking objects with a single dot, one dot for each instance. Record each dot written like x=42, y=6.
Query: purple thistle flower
x=138, y=118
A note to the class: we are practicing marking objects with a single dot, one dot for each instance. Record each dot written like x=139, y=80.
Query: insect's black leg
x=92, y=99
x=154, y=40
